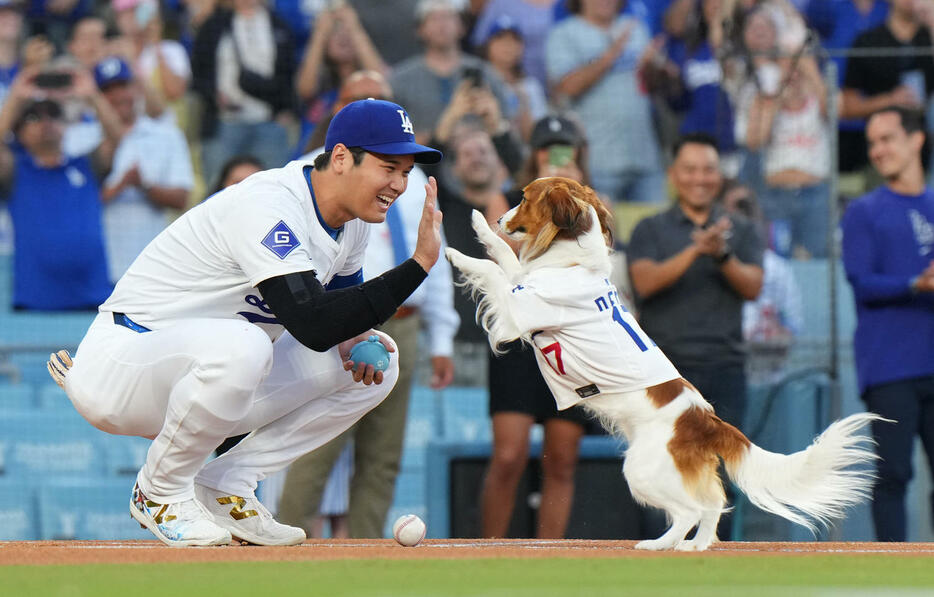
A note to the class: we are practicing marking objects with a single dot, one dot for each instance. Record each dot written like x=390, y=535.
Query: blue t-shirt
x=58, y=261
x=887, y=240
x=705, y=105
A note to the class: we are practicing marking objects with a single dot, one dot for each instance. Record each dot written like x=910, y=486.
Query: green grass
x=798, y=576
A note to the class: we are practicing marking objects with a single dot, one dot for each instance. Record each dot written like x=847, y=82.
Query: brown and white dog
x=556, y=296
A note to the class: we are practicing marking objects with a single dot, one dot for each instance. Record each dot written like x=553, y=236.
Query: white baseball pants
x=193, y=384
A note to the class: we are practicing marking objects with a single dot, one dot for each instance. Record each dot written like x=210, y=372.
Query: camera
x=474, y=75
x=53, y=80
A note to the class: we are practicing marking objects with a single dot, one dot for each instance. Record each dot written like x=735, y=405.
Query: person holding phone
x=429, y=82
x=53, y=196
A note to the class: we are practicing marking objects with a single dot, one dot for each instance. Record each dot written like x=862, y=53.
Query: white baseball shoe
x=181, y=524
x=247, y=519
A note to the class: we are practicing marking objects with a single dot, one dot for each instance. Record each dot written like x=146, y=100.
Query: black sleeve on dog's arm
x=320, y=318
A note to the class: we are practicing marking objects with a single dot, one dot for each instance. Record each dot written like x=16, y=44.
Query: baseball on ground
x=409, y=530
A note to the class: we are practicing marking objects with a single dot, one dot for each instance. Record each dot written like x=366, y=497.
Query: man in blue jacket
x=888, y=253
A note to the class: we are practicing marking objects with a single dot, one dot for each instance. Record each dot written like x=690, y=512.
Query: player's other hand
x=429, y=228
x=368, y=375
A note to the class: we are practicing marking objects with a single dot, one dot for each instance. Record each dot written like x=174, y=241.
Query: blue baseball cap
x=504, y=24
x=378, y=126
x=112, y=70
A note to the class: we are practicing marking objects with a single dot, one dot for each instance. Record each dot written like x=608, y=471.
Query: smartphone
x=560, y=155
x=473, y=74
x=53, y=80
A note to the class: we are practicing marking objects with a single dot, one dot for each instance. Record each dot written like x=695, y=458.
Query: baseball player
x=240, y=316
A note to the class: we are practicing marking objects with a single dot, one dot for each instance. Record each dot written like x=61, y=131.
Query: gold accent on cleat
x=159, y=518
x=237, y=512
x=58, y=365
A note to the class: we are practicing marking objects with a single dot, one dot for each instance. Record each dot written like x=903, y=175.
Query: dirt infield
x=116, y=552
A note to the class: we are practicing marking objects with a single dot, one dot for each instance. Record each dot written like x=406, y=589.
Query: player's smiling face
x=379, y=180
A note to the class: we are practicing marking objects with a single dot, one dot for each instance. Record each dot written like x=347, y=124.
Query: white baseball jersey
x=588, y=343
x=207, y=263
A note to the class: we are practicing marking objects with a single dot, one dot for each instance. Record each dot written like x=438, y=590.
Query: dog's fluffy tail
x=815, y=486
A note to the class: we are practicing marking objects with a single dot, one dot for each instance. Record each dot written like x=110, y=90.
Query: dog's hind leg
x=654, y=481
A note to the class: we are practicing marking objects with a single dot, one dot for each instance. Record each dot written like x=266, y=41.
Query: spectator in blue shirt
x=888, y=253
x=54, y=198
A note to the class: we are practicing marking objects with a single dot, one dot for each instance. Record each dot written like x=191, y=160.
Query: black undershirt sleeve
x=320, y=318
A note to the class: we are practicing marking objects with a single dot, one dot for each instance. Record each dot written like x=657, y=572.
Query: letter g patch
x=281, y=240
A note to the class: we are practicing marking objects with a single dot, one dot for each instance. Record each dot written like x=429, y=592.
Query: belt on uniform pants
x=122, y=319
x=403, y=312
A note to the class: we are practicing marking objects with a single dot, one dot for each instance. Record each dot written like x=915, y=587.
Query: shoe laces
x=189, y=510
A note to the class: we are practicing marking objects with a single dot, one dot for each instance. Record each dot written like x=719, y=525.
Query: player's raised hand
x=429, y=228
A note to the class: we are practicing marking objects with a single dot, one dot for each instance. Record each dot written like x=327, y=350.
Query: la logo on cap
x=378, y=126
x=406, y=123
x=110, y=67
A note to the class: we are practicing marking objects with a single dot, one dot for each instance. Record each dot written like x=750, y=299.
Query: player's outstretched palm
x=429, y=228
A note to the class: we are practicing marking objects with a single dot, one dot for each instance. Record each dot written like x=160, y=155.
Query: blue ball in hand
x=370, y=352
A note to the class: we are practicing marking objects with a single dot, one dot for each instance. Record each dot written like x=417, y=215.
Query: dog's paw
x=479, y=223
x=690, y=545
x=653, y=545
x=451, y=254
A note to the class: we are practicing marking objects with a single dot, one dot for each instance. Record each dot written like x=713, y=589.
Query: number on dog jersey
x=588, y=342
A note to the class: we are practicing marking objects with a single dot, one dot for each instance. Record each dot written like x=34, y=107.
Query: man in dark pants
x=888, y=253
x=692, y=267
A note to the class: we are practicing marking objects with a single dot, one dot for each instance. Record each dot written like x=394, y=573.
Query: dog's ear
x=603, y=214
x=568, y=213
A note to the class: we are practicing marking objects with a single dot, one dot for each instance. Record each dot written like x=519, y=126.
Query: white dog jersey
x=263, y=227
x=588, y=343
